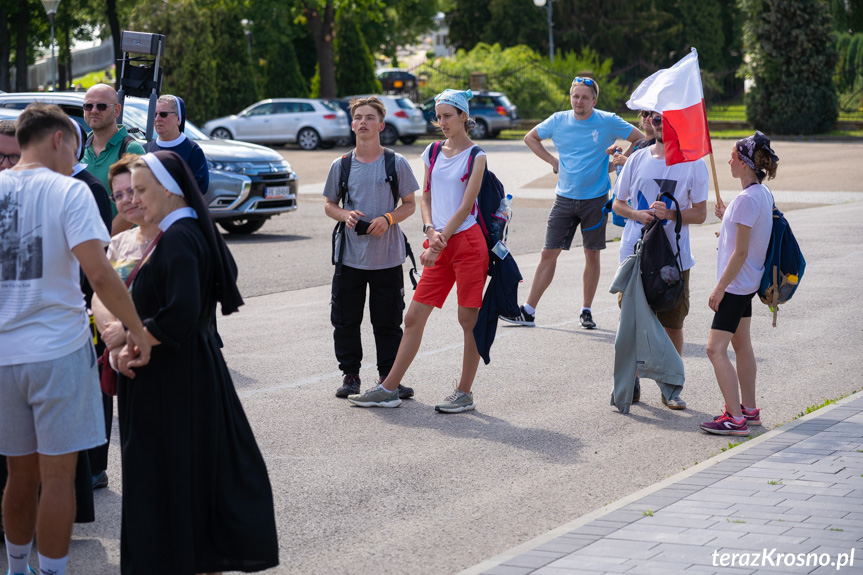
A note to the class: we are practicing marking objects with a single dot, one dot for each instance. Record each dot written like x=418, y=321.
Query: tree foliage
x=355, y=65
x=524, y=76
x=792, y=60
x=282, y=75
x=847, y=15
x=235, y=77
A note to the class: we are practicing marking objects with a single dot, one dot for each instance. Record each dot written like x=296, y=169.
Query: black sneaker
x=636, y=393
x=405, y=392
x=350, y=385
x=100, y=480
x=586, y=320
x=523, y=318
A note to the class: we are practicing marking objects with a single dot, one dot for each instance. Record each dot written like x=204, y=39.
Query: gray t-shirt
x=370, y=193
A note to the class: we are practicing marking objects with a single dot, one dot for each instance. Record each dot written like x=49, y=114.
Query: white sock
x=584, y=309
x=18, y=557
x=529, y=309
x=49, y=566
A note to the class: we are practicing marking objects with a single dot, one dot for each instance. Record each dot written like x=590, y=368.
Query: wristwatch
x=427, y=227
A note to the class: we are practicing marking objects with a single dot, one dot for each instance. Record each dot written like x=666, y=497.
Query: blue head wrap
x=455, y=98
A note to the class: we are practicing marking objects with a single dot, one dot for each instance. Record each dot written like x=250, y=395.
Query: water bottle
x=618, y=168
x=787, y=288
x=500, y=219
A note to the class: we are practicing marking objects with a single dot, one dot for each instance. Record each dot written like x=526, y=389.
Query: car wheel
x=242, y=226
x=389, y=135
x=308, y=139
x=408, y=140
x=481, y=130
x=328, y=145
x=221, y=134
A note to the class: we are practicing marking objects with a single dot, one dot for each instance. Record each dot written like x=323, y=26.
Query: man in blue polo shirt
x=581, y=138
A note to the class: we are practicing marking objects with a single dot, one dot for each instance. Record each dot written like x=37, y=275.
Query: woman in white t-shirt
x=456, y=253
x=747, y=224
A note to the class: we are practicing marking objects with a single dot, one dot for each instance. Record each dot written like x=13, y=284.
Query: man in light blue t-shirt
x=581, y=138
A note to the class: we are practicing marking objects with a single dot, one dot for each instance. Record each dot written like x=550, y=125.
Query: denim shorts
x=566, y=215
x=51, y=407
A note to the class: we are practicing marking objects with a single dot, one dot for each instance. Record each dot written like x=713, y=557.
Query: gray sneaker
x=457, y=402
x=376, y=397
x=676, y=403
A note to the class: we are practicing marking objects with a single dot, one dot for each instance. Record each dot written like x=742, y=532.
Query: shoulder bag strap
x=142, y=261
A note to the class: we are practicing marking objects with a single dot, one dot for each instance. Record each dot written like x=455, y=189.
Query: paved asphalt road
x=409, y=491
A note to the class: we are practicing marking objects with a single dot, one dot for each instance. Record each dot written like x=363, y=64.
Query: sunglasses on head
x=101, y=107
x=164, y=114
x=585, y=81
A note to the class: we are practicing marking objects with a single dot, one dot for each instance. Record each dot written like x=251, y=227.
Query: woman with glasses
x=747, y=224
x=196, y=494
x=170, y=124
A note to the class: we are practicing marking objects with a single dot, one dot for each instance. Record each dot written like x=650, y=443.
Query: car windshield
x=405, y=103
x=135, y=114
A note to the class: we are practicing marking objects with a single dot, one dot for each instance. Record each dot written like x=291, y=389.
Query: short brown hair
x=121, y=166
x=39, y=120
x=7, y=128
x=373, y=102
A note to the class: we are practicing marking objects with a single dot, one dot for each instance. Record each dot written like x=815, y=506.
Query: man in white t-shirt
x=50, y=405
x=643, y=178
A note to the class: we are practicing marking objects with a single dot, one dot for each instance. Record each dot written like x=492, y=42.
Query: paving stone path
x=789, y=501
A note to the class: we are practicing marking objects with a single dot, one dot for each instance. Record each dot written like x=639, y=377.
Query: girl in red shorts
x=456, y=253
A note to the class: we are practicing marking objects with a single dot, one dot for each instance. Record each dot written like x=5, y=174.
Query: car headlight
x=234, y=167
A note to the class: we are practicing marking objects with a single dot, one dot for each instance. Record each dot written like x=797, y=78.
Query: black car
x=396, y=81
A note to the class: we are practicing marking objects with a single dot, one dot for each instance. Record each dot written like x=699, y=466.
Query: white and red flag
x=676, y=93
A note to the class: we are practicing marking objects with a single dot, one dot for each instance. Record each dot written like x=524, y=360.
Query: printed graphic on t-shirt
x=20, y=244
x=664, y=186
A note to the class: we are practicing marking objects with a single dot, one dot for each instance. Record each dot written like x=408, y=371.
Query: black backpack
x=488, y=199
x=339, y=230
x=660, y=268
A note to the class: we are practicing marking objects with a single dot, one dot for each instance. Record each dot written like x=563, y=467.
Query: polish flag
x=676, y=93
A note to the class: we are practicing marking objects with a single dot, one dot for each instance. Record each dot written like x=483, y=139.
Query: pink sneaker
x=725, y=425
x=753, y=416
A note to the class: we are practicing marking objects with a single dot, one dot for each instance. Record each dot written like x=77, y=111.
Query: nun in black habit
x=196, y=495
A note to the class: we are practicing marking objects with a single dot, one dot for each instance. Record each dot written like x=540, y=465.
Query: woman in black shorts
x=746, y=226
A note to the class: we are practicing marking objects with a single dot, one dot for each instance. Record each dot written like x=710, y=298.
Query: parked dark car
x=248, y=183
x=396, y=81
x=492, y=112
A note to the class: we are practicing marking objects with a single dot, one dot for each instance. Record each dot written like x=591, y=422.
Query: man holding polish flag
x=676, y=93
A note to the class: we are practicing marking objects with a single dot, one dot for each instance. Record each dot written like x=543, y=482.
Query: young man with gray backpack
x=362, y=192
x=675, y=195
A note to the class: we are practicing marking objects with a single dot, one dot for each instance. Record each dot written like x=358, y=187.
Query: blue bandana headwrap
x=455, y=98
x=747, y=148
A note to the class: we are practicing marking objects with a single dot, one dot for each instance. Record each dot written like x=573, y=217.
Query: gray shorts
x=51, y=407
x=566, y=215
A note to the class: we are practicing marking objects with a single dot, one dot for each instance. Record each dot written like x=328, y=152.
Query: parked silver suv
x=248, y=183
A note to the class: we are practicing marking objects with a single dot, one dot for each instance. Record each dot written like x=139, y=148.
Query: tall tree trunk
x=116, y=34
x=21, y=47
x=63, y=58
x=5, y=53
x=322, y=27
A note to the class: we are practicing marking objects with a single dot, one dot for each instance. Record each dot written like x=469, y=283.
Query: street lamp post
x=247, y=30
x=547, y=4
x=51, y=9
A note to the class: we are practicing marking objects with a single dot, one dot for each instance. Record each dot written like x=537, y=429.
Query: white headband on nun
x=162, y=174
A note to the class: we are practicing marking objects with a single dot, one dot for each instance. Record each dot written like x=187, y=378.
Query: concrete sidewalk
x=788, y=501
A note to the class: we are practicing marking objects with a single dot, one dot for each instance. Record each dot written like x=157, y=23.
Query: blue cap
x=455, y=98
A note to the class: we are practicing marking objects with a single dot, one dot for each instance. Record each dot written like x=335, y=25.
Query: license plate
x=277, y=192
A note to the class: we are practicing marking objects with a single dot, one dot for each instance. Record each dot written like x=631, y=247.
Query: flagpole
x=715, y=181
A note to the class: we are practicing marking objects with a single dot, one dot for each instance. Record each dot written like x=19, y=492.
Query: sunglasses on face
x=585, y=81
x=164, y=114
x=13, y=158
x=120, y=195
x=101, y=107
x=656, y=121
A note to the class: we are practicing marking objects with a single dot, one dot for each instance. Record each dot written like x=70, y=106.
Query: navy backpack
x=784, y=266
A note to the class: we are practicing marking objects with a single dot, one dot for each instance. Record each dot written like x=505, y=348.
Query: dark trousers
x=386, y=306
x=99, y=455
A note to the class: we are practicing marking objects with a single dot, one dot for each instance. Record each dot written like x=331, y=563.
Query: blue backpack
x=491, y=192
x=784, y=266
